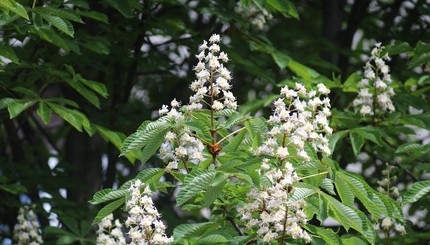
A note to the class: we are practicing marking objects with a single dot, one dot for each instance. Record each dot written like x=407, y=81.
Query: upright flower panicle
x=144, y=219
x=375, y=90
x=110, y=233
x=27, y=230
x=269, y=210
x=212, y=86
x=386, y=224
x=302, y=119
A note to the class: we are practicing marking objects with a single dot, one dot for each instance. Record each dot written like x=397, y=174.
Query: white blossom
x=213, y=78
x=27, y=230
x=143, y=220
x=108, y=233
x=375, y=85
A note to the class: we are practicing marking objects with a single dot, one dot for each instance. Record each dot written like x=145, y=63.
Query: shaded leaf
x=416, y=191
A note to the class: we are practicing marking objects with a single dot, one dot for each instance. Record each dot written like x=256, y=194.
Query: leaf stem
x=313, y=175
x=233, y=133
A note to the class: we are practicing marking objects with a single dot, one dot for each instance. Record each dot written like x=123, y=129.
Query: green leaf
x=281, y=59
x=106, y=210
x=61, y=24
x=201, y=129
x=245, y=3
x=195, y=183
x=97, y=87
x=7, y=52
x=421, y=56
x=63, y=240
x=300, y=193
x=71, y=223
x=15, y=108
x=325, y=234
x=12, y=188
x=14, y=7
x=235, y=119
x=334, y=138
x=152, y=146
x=344, y=192
x=357, y=142
x=303, y=71
x=146, y=175
x=213, y=239
x=416, y=191
x=350, y=85
x=185, y=231
x=44, y=112
x=353, y=240
x=360, y=189
x=49, y=35
x=234, y=143
x=73, y=117
x=285, y=7
x=397, y=48
x=122, y=6
x=327, y=184
x=413, y=148
x=107, y=195
x=94, y=15
x=6, y=19
x=5, y=102
x=62, y=13
x=89, y=95
x=343, y=214
x=144, y=135
x=370, y=133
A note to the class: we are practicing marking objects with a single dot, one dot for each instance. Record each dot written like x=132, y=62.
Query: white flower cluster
x=27, y=230
x=181, y=148
x=143, y=220
x=173, y=113
x=304, y=119
x=213, y=79
x=375, y=87
x=256, y=16
x=385, y=188
x=108, y=233
x=269, y=210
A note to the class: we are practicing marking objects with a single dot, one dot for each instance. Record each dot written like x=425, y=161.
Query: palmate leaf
x=144, y=134
x=195, y=183
x=362, y=191
x=417, y=190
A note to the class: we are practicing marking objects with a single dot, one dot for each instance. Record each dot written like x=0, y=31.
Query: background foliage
x=78, y=76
